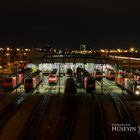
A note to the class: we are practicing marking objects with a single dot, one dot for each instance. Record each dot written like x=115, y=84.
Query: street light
x=131, y=50
x=118, y=51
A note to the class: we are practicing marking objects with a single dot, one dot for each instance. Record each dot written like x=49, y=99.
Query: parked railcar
x=89, y=84
x=133, y=86
x=121, y=79
x=86, y=80
x=97, y=74
x=32, y=82
x=13, y=81
x=81, y=75
x=69, y=72
x=52, y=78
x=129, y=83
x=110, y=74
x=70, y=87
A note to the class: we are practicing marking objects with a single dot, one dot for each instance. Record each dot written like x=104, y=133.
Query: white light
x=137, y=92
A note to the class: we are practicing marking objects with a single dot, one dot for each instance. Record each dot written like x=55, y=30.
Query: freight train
x=33, y=81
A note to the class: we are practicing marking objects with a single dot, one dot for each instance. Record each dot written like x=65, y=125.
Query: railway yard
x=44, y=113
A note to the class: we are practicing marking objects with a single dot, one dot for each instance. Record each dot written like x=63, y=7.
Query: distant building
x=82, y=47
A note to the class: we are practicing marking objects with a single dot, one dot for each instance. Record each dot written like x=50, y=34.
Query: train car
x=22, y=65
x=70, y=87
x=69, y=72
x=86, y=80
x=32, y=82
x=52, y=78
x=110, y=74
x=129, y=83
x=13, y=81
x=89, y=84
x=137, y=76
x=97, y=74
x=81, y=75
x=122, y=78
x=133, y=86
x=55, y=71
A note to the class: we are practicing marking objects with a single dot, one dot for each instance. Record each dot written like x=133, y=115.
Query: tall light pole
x=131, y=50
x=102, y=84
x=59, y=74
x=59, y=78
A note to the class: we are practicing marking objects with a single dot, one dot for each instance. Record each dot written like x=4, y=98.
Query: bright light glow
x=118, y=50
x=18, y=49
x=125, y=51
x=7, y=54
x=102, y=51
x=8, y=49
x=26, y=50
x=132, y=49
x=137, y=92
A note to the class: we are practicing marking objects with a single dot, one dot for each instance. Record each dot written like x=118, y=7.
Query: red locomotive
x=97, y=74
x=129, y=82
x=110, y=74
x=85, y=80
x=52, y=78
x=32, y=81
x=89, y=84
x=13, y=81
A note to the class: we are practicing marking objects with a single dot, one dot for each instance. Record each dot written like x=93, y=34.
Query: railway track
x=98, y=119
x=91, y=133
x=9, y=110
x=8, y=98
x=6, y=112
x=68, y=123
x=124, y=116
x=98, y=131
x=34, y=123
x=4, y=93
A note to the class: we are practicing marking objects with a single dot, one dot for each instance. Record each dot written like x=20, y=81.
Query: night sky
x=68, y=23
